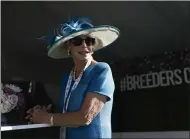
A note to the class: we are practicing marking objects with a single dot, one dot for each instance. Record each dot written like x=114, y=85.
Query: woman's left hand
x=40, y=116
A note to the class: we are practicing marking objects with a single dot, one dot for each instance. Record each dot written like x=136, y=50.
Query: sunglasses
x=77, y=41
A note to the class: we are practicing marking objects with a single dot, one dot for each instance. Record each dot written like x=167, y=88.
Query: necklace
x=76, y=82
x=74, y=70
x=74, y=74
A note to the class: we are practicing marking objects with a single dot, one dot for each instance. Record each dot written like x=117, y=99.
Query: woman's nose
x=84, y=44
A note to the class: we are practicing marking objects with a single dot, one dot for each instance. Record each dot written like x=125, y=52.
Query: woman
x=87, y=91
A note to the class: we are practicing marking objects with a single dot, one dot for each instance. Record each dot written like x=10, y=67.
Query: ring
x=37, y=107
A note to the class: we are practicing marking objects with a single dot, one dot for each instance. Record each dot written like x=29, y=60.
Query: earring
x=68, y=52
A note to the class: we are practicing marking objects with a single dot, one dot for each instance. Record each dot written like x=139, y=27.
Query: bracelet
x=51, y=121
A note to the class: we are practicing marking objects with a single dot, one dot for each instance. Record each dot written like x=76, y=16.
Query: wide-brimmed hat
x=104, y=35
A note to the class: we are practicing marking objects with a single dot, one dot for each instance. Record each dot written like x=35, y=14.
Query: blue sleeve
x=102, y=81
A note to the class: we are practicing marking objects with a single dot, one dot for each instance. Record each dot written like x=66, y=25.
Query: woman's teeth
x=83, y=52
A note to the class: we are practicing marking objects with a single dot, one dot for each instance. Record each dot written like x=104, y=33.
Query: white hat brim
x=107, y=35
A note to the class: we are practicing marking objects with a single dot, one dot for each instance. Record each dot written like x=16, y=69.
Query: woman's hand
x=40, y=116
x=30, y=111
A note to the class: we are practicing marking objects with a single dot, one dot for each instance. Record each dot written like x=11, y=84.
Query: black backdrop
x=151, y=109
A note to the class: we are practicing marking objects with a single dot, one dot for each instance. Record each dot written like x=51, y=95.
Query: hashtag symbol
x=123, y=84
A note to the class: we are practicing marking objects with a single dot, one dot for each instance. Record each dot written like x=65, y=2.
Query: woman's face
x=81, y=47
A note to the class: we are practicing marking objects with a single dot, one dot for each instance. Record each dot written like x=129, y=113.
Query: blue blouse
x=97, y=78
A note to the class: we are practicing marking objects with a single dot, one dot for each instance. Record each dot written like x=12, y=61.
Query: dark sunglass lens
x=90, y=41
x=76, y=41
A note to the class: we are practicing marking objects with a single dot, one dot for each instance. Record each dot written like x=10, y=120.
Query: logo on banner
x=155, y=79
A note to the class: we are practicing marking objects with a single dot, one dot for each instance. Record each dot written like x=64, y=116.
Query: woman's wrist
x=50, y=119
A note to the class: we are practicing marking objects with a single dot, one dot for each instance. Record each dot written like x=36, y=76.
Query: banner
x=167, y=69
x=155, y=79
x=152, y=93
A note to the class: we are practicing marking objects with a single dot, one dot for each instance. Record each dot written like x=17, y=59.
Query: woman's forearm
x=73, y=119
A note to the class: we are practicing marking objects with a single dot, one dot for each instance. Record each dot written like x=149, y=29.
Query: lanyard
x=67, y=92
